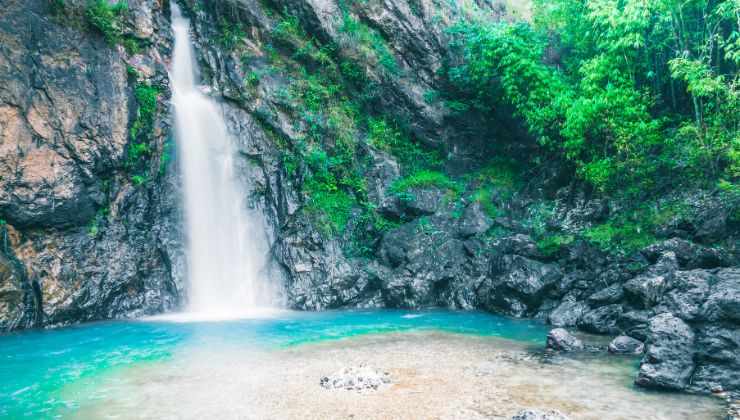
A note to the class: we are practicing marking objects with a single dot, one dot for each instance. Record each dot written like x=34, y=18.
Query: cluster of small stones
x=359, y=378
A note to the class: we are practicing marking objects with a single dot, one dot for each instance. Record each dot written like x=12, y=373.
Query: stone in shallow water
x=530, y=414
x=561, y=339
x=357, y=378
x=626, y=345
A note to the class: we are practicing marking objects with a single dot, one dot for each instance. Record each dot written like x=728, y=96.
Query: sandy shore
x=434, y=376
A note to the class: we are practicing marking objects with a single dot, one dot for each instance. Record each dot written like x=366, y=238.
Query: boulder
x=561, y=340
x=422, y=201
x=624, y=344
x=474, y=221
x=602, y=320
x=635, y=323
x=668, y=362
x=687, y=293
x=717, y=359
x=517, y=285
x=611, y=294
x=688, y=254
x=568, y=313
x=723, y=302
x=646, y=291
x=530, y=414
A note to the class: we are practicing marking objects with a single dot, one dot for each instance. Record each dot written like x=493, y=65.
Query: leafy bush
x=106, y=18
x=631, y=96
x=424, y=179
x=552, y=244
x=388, y=137
x=229, y=34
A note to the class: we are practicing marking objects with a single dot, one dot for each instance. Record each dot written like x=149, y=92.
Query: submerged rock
x=530, y=414
x=357, y=378
x=626, y=345
x=560, y=339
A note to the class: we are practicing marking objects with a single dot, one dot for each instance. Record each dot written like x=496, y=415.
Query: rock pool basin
x=442, y=364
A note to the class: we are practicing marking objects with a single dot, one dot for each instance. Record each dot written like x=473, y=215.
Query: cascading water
x=226, y=241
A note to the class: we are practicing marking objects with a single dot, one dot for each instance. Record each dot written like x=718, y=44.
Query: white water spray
x=226, y=242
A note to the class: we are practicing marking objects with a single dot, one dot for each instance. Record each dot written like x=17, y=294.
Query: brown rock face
x=88, y=243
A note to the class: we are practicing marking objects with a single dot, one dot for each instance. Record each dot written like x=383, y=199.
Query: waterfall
x=227, y=248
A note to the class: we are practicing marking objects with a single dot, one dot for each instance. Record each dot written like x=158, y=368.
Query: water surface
x=445, y=364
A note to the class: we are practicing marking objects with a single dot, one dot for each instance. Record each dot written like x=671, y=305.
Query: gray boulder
x=668, y=362
x=568, y=313
x=602, y=320
x=561, y=340
x=688, y=254
x=517, y=285
x=422, y=201
x=626, y=345
x=474, y=221
x=611, y=294
x=723, y=302
x=646, y=291
x=717, y=359
x=688, y=291
x=635, y=323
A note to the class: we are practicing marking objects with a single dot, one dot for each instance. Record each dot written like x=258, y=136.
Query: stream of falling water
x=226, y=241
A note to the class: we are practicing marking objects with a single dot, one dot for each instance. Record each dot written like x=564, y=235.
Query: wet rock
x=601, y=320
x=646, y=291
x=611, y=294
x=687, y=293
x=688, y=254
x=519, y=244
x=717, y=359
x=568, y=313
x=516, y=284
x=635, y=323
x=626, y=345
x=723, y=302
x=530, y=414
x=560, y=339
x=474, y=221
x=668, y=361
x=421, y=201
x=383, y=171
x=356, y=378
x=12, y=294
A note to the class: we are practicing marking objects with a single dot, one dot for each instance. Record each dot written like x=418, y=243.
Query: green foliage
x=138, y=179
x=624, y=236
x=252, y=78
x=644, y=96
x=552, y=244
x=369, y=44
x=386, y=136
x=633, y=230
x=229, y=34
x=105, y=18
x=425, y=179
x=484, y=195
x=329, y=206
x=141, y=129
x=100, y=216
x=146, y=98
